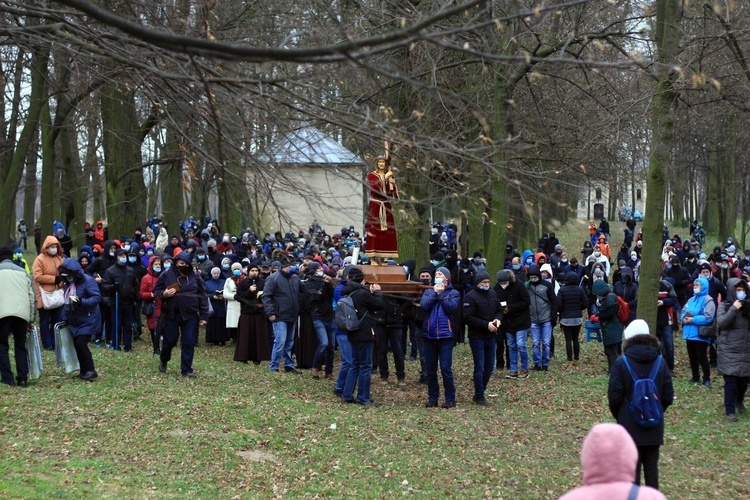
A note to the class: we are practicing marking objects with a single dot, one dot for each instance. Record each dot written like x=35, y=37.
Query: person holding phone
x=482, y=314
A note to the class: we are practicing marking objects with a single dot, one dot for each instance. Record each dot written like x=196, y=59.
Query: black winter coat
x=518, y=315
x=479, y=308
x=571, y=300
x=250, y=302
x=319, y=298
x=364, y=301
x=641, y=352
x=122, y=280
x=281, y=296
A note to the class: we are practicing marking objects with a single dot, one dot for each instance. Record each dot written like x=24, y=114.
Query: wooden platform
x=392, y=280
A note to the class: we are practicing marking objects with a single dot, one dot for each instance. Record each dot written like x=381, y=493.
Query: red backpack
x=623, y=309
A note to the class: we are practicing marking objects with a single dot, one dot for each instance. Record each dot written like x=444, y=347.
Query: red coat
x=147, y=287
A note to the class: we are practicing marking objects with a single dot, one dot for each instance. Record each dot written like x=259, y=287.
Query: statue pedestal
x=392, y=279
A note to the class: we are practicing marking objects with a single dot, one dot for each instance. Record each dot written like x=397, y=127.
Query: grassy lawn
x=240, y=431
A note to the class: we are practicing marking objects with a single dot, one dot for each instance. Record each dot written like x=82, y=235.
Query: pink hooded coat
x=608, y=459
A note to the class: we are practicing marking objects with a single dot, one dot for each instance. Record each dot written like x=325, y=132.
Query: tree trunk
x=29, y=190
x=122, y=137
x=14, y=169
x=668, y=17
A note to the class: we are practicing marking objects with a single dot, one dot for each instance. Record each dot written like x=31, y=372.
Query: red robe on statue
x=381, y=230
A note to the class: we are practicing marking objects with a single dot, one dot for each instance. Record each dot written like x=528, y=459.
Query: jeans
x=172, y=329
x=359, y=373
x=612, y=351
x=283, y=341
x=326, y=342
x=439, y=352
x=483, y=352
x=572, y=345
x=734, y=392
x=47, y=320
x=382, y=335
x=122, y=326
x=17, y=327
x=541, y=335
x=345, y=349
x=667, y=345
x=516, y=346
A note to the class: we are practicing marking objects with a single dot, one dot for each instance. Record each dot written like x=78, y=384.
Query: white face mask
x=52, y=251
x=319, y=274
x=696, y=290
x=597, y=254
x=503, y=285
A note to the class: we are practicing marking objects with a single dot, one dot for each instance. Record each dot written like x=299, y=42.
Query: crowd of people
x=274, y=298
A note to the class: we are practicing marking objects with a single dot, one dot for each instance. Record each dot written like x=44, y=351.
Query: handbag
x=34, y=355
x=148, y=307
x=708, y=331
x=52, y=300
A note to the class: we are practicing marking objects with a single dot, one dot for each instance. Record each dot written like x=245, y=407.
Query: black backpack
x=346, y=317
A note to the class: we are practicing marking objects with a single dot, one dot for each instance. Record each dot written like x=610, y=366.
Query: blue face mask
x=122, y=261
x=157, y=270
x=406, y=269
x=201, y=257
x=516, y=267
x=741, y=295
x=435, y=262
x=484, y=287
x=19, y=256
x=132, y=259
x=237, y=272
x=438, y=281
x=225, y=267
x=167, y=266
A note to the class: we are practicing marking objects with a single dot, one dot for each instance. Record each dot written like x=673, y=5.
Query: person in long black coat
x=253, y=341
x=641, y=350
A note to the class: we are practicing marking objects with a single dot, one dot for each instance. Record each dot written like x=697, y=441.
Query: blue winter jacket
x=439, y=308
x=703, y=309
x=84, y=317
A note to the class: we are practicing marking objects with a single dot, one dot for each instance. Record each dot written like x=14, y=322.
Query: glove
x=594, y=318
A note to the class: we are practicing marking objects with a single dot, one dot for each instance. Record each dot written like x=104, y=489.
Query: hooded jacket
x=571, y=300
x=147, y=288
x=734, y=343
x=641, y=352
x=628, y=291
x=608, y=460
x=608, y=308
x=190, y=301
x=542, y=299
x=702, y=309
x=99, y=266
x=83, y=317
x=19, y=299
x=44, y=268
